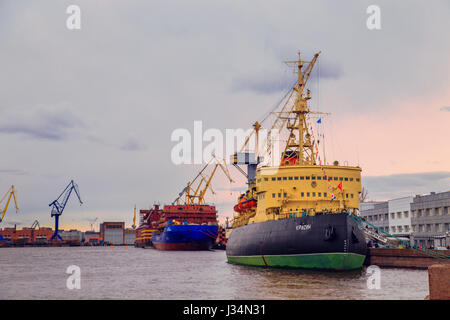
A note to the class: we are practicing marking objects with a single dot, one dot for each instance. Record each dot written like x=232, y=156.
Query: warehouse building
x=113, y=232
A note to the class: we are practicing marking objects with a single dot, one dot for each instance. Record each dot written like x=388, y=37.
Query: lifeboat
x=245, y=204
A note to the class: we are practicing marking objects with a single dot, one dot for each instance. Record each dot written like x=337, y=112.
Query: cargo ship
x=189, y=223
x=297, y=213
x=187, y=227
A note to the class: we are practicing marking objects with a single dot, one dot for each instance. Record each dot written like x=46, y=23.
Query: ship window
x=273, y=195
x=266, y=179
x=279, y=178
x=319, y=194
x=313, y=194
x=287, y=162
x=346, y=179
x=351, y=195
x=303, y=194
x=357, y=179
x=330, y=178
x=284, y=178
x=335, y=178
x=340, y=178
x=279, y=195
x=295, y=178
x=313, y=178
x=273, y=179
x=285, y=194
x=351, y=179
x=307, y=194
x=290, y=178
x=308, y=177
x=346, y=195
x=302, y=178
x=325, y=194
x=319, y=178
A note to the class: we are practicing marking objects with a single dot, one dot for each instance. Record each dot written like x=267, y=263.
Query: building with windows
x=431, y=219
x=424, y=219
x=376, y=213
x=26, y=235
x=400, y=216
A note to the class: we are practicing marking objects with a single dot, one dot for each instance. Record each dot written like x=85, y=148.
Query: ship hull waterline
x=321, y=242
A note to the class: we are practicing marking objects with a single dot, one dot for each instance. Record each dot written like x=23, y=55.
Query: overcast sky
x=99, y=104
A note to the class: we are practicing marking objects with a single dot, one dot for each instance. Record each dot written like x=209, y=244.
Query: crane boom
x=11, y=193
x=58, y=207
x=196, y=195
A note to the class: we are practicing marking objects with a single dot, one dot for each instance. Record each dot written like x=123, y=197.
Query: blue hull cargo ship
x=186, y=227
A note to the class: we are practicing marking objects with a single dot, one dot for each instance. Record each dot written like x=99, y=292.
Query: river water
x=133, y=273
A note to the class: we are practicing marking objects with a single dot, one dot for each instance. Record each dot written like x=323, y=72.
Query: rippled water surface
x=132, y=273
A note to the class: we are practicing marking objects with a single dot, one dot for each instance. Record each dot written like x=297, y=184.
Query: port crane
x=58, y=206
x=195, y=191
x=10, y=193
x=134, y=218
x=91, y=222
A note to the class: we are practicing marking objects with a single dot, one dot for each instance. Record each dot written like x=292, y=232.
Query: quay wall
x=402, y=258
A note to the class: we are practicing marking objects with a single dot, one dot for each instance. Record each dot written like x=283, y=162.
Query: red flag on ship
x=340, y=185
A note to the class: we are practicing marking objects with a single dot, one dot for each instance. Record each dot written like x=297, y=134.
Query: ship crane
x=59, y=205
x=10, y=193
x=196, y=195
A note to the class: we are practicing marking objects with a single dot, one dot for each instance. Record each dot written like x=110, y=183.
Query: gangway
x=380, y=236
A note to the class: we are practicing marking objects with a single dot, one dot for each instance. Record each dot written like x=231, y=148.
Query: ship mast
x=299, y=147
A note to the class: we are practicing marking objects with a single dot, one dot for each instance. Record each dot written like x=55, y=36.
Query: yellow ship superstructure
x=299, y=190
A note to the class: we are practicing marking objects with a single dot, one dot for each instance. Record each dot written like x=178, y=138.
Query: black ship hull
x=327, y=241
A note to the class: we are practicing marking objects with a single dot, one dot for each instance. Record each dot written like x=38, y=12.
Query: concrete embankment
x=402, y=258
x=439, y=282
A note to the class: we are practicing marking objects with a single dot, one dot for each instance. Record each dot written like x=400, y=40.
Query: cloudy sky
x=99, y=104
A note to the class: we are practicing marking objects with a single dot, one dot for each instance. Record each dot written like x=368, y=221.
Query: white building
x=400, y=216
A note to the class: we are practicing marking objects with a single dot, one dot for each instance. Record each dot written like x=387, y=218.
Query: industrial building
x=71, y=235
x=130, y=236
x=113, y=232
x=424, y=219
x=26, y=235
